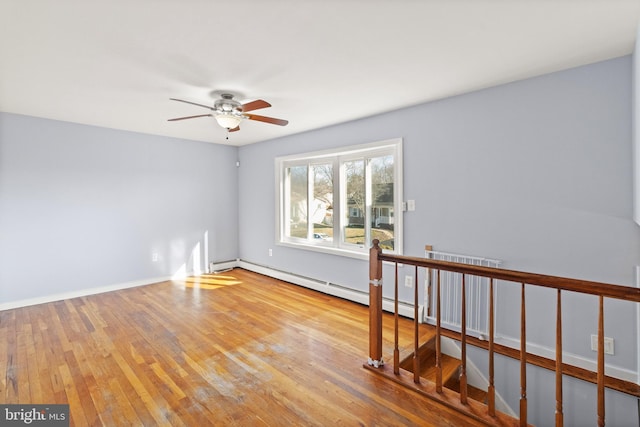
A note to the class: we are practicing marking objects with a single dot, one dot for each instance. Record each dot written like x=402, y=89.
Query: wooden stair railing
x=375, y=362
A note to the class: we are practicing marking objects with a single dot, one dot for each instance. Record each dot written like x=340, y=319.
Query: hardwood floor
x=236, y=348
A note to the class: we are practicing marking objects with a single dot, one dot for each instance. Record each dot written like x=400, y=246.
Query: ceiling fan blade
x=255, y=105
x=271, y=120
x=235, y=129
x=190, y=117
x=192, y=103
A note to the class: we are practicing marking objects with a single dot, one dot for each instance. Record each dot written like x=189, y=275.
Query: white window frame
x=337, y=157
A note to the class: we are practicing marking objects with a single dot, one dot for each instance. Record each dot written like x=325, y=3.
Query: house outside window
x=339, y=201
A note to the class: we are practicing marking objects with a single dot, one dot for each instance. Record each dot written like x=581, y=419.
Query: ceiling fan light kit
x=229, y=113
x=228, y=120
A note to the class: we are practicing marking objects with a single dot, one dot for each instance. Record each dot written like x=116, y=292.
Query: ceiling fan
x=229, y=113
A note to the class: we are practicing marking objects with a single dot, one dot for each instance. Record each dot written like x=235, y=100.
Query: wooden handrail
x=606, y=290
x=602, y=290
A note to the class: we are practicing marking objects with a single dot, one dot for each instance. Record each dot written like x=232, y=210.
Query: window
x=339, y=201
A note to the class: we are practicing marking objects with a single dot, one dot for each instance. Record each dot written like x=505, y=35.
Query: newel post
x=375, y=305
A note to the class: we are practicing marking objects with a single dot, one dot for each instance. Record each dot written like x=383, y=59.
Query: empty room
x=320, y=212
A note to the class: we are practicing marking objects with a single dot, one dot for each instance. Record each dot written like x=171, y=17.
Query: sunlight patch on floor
x=209, y=281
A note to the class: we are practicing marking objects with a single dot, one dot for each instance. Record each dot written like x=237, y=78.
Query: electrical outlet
x=154, y=257
x=408, y=281
x=608, y=344
x=270, y=252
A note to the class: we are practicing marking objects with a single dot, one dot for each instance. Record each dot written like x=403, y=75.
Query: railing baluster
x=559, y=414
x=416, y=343
x=600, y=375
x=438, y=349
x=491, y=391
x=396, y=349
x=429, y=282
x=523, y=361
x=463, y=344
x=478, y=302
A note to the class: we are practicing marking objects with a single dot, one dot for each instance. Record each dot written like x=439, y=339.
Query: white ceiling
x=116, y=63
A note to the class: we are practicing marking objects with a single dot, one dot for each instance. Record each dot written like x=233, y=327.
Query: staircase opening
x=450, y=368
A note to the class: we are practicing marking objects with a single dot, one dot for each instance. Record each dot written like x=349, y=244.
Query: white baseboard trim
x=81, y=293
x=571, y=359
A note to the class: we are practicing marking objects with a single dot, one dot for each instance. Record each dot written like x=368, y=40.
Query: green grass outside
x=354, y=235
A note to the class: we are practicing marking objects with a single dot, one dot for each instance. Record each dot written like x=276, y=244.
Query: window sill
x=328, y=250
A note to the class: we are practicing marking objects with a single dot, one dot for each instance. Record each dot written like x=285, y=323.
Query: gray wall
x=84, y=207
x=537, y=173
x=636, y=128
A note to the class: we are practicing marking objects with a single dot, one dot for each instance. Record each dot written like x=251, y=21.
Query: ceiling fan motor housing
x=227, y=105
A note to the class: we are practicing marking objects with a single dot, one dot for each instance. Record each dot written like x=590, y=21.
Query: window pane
x=382, y=223
x=322, y=205
x=338, y=202
x=354, y=206
x=297, y=198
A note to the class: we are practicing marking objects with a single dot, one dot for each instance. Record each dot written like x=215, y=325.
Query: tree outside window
x=368, y=182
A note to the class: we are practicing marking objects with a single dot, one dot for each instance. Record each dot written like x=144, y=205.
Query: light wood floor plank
x=237, y=349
